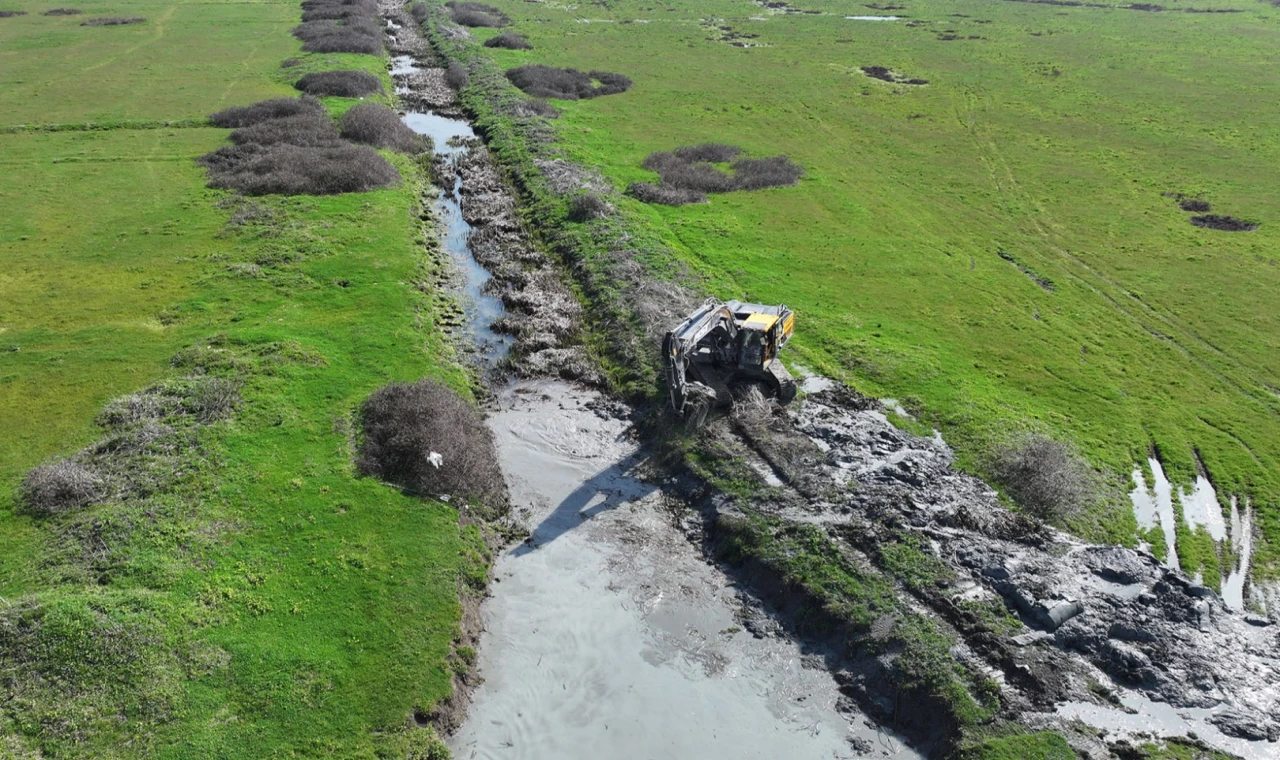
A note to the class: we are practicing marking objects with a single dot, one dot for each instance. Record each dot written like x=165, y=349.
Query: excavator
x=722, y=345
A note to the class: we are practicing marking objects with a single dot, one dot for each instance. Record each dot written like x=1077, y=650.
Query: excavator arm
x=681, y=346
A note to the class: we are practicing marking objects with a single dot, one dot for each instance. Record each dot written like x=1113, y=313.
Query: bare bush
x=1194, y=204
x=243, y=116
x=113, y=21
x=508, y=41
x=351, y=35
x=342, y=84
x=588, y=206
x=11, y=14
x=59, y=486
x=1224, y=223
x=297, y=170
x=315, y=10
x=647, y=192
x=759, y=173
x=380, y=127
x=405, y=424
x=289, y=63
x=62, y=12
x=536, y=107
x=476, y=15
x=420, y=12
x=700, y=177
x=456, y=76
x=566, y=84
x=715, y=153
x=1047, y=478
x=210, y=399
x=310, y=129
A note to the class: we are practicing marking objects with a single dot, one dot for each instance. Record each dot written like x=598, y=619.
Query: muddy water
x=607, y=634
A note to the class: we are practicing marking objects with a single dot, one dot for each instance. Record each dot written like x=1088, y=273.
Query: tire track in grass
x=158, y=25
x=1177, y=334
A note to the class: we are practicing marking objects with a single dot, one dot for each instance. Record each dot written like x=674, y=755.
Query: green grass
x=272, y=604
x=1156, y=333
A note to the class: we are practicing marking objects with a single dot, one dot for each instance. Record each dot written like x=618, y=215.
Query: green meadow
x=1000, y=249
x=272, y=603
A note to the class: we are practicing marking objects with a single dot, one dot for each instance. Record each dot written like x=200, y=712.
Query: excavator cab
x=724, y=344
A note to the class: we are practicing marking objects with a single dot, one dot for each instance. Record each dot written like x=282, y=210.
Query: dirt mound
x=1224, y=223
x=566, y=84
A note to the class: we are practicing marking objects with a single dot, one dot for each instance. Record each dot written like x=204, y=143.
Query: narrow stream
x=607, y=635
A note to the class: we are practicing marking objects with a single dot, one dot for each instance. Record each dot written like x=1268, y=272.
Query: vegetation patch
x=476, y=14
x=425, y=437
x=456, y=76
x=299, y=154
x=276, y=108
x=356, y=34
x=566, y=84
x=1047, y=478
x=1194, y=204
x=342, y=84
x=1224, y=223
x=379, y=126
x=690, y=173
x=886, y=74
x=62, y=12
x=113, y=21
x=11, y=14
x=318, y=10
x=508, y=41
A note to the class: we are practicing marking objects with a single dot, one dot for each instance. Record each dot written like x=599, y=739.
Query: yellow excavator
x=726, y=344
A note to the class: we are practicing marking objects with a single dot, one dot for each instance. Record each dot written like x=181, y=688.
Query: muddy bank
x=1095, y=625
x=608, y=635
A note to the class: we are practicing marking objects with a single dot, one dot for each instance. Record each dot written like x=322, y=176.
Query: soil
x=1224, y=223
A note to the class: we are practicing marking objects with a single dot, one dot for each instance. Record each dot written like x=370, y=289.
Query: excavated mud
x=1096, y=620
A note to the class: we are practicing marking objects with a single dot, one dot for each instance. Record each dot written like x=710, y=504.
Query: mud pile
x=1097, y=620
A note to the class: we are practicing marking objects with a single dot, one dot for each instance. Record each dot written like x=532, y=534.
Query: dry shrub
x=476, y=15
x=1194, y=204
x=588, y=206
x=689, y=173
x=536, y=107
x=647, y=192
x=59, y=486
x=297, y=170
x=420, y=12
x=277, y=108
x=1224, y=223
x=309, y=129
x=316, y=10
x=352, y=35
x=715, y=153
x=113, y=21
x=758, y=173
x=380, y=127
x=456, y=76
x=1047, y=478
x=62, y=12
x=404, y=423
x=289, y=63
x=342, y=84
x=566, y=84
x=508, y=41
x=11, y=14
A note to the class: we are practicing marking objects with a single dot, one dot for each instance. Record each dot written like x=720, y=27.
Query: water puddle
x=607, y=635
x=1242, y=546
x=1201, y=508
x=1153, y=506
x=1141, y=717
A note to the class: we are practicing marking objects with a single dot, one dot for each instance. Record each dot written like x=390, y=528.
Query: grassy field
x=996, y=248
x=272, y=604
